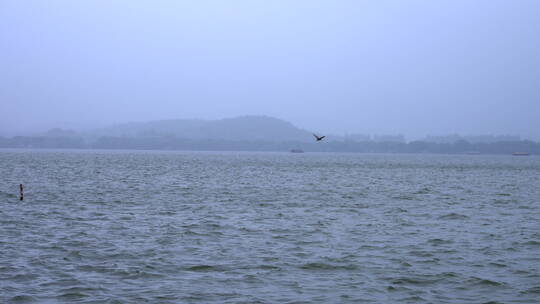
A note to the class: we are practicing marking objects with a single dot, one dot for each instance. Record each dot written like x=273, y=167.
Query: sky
x=411, y=67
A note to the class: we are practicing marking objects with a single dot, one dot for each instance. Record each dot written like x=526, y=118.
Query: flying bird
x=319, y=138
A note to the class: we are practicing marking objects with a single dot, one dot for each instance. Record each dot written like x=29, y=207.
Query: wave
x=436, y=242
x=475, y=281
x=453, y=216
x=533, y=290
x=22, y=299
x=415, y=281
x=325, y=266
x=206, y=268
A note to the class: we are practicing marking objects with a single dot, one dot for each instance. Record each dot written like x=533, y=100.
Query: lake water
x=196, y=227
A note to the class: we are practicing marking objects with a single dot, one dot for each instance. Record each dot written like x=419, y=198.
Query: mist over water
x=193, y=227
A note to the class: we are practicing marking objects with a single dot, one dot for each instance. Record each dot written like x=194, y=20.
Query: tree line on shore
x=176, y=143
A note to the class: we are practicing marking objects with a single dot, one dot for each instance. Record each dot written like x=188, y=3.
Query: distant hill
x=244, y=128
x=251, y=133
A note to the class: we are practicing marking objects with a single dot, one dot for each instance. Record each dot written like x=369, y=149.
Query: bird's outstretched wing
x=318, y=138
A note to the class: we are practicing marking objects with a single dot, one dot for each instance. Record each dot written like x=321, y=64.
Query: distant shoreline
x=262, y=134
x=418, y=147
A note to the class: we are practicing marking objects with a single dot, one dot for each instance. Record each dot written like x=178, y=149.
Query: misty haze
x=269, y=151
x=415, y=68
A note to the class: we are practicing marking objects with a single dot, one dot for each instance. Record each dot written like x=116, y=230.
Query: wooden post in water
x=21, y=188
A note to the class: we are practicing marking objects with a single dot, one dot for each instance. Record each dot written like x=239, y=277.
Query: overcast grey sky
x=409, y=67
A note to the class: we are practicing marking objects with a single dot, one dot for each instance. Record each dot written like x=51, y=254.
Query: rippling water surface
x=174, y=227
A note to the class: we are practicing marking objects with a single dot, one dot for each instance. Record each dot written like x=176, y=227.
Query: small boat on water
x=520, y=153
x=297, y=151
